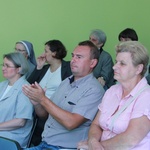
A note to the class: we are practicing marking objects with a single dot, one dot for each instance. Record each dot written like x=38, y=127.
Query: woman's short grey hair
x=18, y=60
x=99, y=35
x=138, y=52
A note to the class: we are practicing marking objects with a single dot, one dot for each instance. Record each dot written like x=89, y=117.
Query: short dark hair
x=128, y=33
x=93, y=49
x=58, y=47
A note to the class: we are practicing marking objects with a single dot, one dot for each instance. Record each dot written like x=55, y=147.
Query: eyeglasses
x=7, y=66
x=19, y=50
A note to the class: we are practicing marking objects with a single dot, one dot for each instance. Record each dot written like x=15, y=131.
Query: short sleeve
x=24, y=108
x=142, y=105
x=87, y=106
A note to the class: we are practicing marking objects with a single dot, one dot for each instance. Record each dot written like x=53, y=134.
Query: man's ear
x=94, y=63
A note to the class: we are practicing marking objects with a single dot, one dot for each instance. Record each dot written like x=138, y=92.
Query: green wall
x=70, y=21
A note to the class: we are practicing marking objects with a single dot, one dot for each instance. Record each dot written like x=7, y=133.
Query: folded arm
x=12, y=124
x=138, y=128
x=95, y=132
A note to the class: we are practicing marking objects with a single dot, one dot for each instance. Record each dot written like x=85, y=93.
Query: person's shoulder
x=64, y=62
x=3, y=82
x=31, y=65
x=147, y=89
x=21, y=81
x=66, y=69
x=106, y=57
x=66, y=80
x=114, y=87
x=106, y=53
x=25, y=82
x=93, y=83
x=148, y=78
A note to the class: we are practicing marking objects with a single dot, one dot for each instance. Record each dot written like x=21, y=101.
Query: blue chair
x=8, y=144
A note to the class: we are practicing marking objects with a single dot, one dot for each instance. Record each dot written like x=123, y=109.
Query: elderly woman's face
x=9, y=70
x=124, y=70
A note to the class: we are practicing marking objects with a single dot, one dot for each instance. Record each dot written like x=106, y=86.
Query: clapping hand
x=34, y=92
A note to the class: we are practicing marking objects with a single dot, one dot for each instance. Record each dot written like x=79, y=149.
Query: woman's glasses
x=19, y=50
x=7, y=66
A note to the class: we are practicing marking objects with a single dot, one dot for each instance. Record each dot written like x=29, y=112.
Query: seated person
x=128, y=34
x=26, y=48
x=73, y=106
x=49, y=75
x=148, y=76
x=103, y=71
x=123, y=120
x=15, y=108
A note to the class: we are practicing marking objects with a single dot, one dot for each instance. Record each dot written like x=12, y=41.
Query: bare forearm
x=40, y=111
x=12, y=124
x=94, y=137
x=115, y=143
x=119, y=142
x=62, y=116
x=95, y=132
x=138, y=129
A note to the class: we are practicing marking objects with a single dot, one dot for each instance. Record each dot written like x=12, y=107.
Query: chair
x=8, y=144
x=35, y=120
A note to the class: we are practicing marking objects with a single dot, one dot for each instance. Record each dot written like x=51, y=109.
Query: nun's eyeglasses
x=19, y=50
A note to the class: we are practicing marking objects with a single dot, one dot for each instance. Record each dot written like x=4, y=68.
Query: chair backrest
x=8, y=144
x=35, y=120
